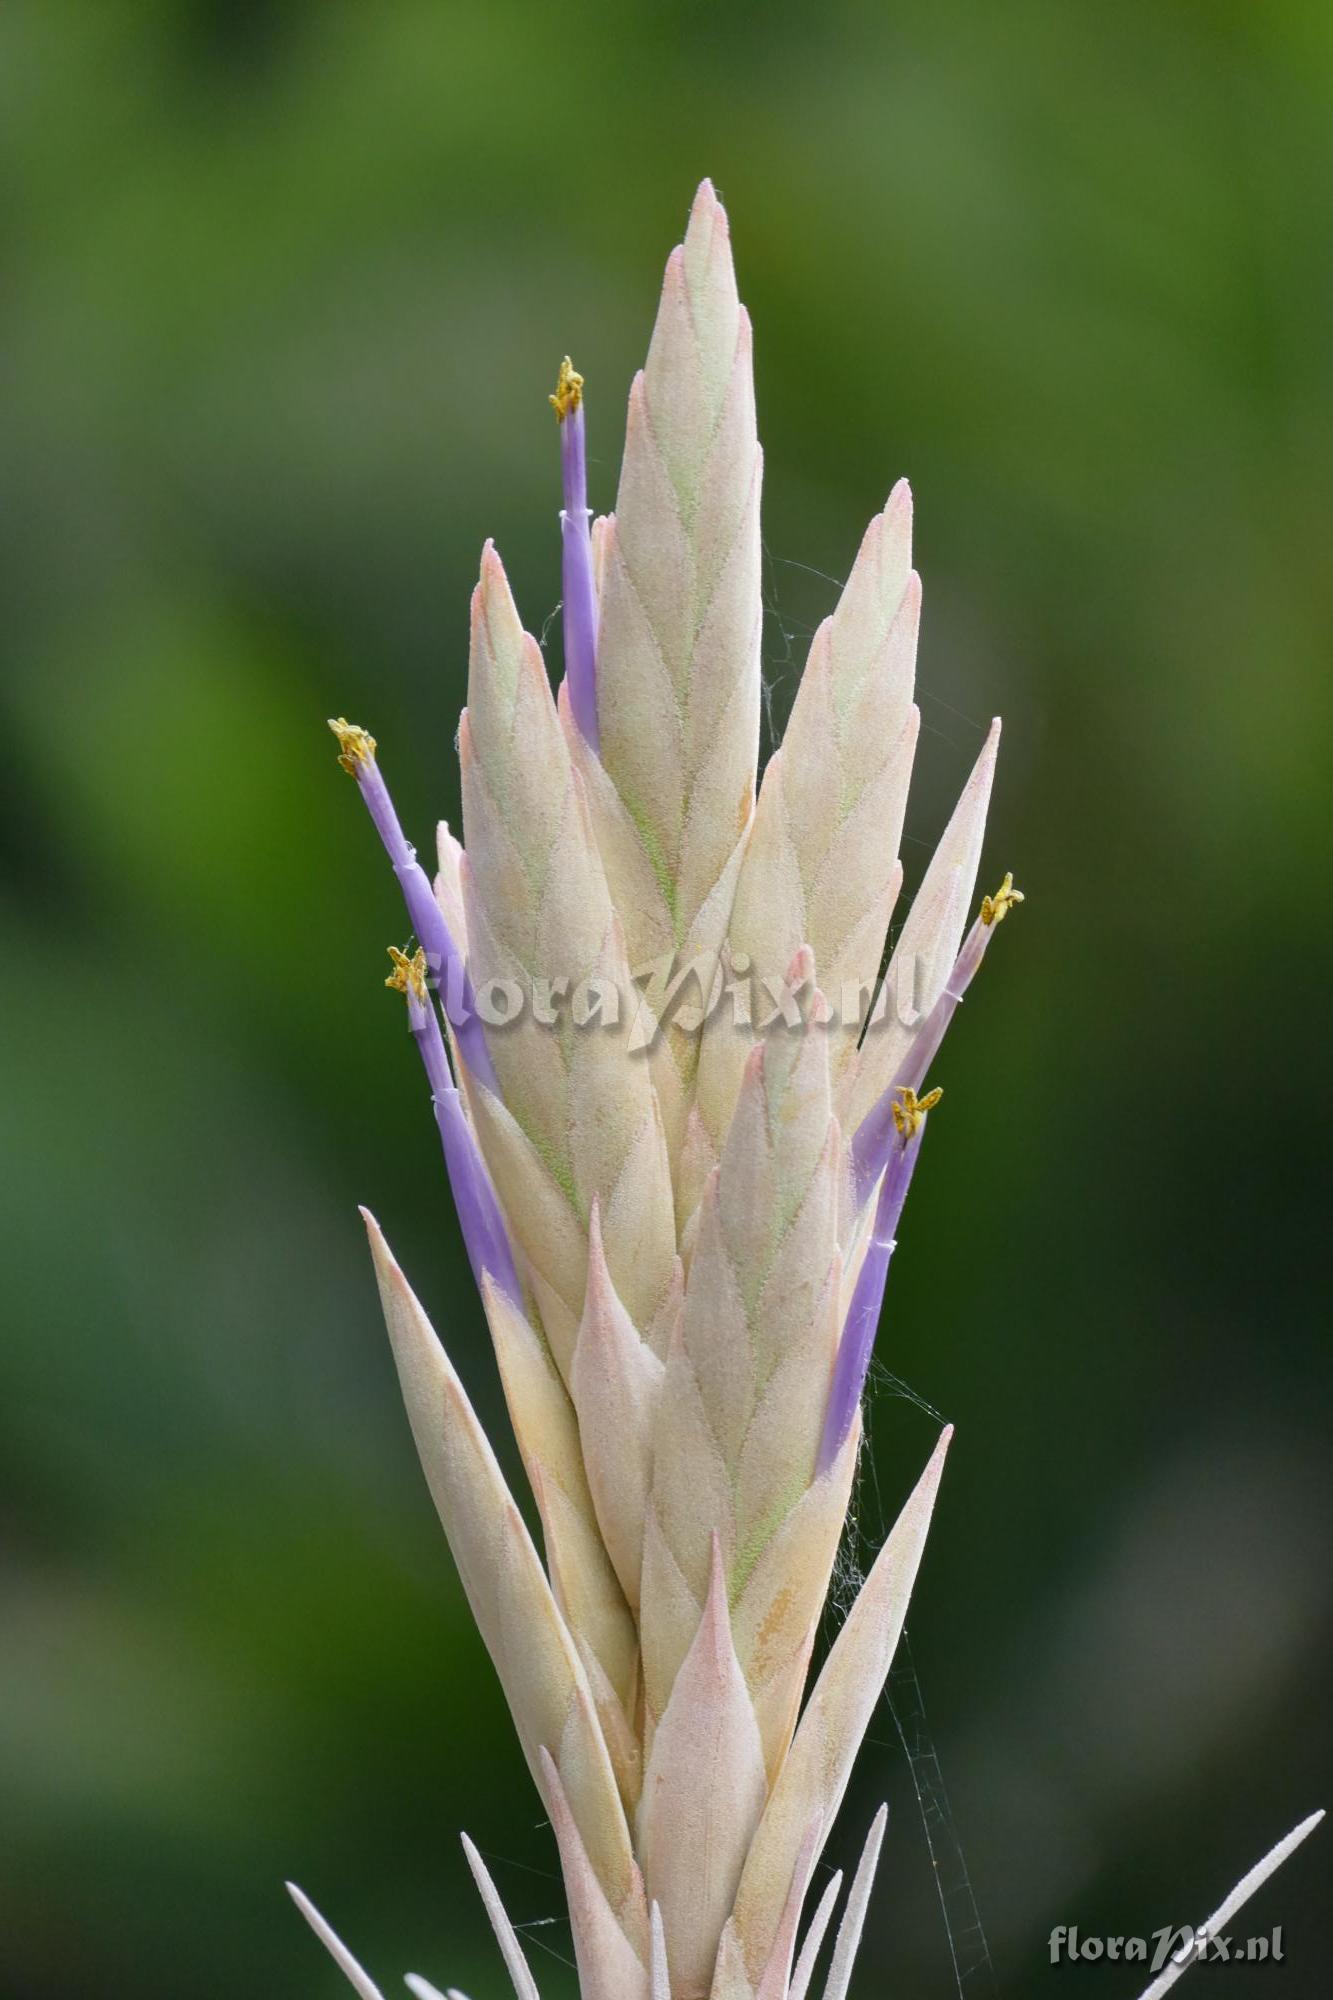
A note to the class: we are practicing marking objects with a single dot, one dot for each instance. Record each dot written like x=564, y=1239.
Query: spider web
x=969, y=1952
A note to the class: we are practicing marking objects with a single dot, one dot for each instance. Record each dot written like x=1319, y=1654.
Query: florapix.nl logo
x=1172, y=1944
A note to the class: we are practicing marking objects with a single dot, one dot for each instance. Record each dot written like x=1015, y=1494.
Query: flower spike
x=580, y=595
x=357, y=756
x=681, y=1293
x=484, y=1234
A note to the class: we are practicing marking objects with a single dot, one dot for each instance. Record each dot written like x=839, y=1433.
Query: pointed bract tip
x=353, y=1971
x=672, y=277
x=356, y=746
x=493, y=593
x=599, y=1291
x=706, y=204
x=381, y=1256
x=802, y=966
x=704, y=254
x=550, y=1771
x=568, y=390
x=983, y=770
x=492, y=580
x=717, y=1577
x=714, y=1633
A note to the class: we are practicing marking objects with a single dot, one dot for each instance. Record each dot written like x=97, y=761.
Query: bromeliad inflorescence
x=681, y=1239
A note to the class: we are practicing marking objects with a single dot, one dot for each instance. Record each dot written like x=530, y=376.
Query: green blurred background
x=284, y=287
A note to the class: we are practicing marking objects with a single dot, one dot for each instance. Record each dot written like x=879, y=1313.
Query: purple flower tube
x=484, y=1234
x=873, y=1140
x=858, y=1333
x=580, y=596
x=357, y=756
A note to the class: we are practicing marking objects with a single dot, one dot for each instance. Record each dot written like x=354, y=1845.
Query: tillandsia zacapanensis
x=681, y=1100
x=680, y=1105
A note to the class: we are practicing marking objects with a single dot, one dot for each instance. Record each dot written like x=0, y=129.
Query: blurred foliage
x=284, y=289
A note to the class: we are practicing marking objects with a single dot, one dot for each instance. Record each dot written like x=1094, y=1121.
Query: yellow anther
x=568, y=390
x=409, y=974
x=993, y=908
x=910, y=1109
x=357, y=747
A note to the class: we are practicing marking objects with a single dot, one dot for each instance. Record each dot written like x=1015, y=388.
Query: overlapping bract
x=684, y=1219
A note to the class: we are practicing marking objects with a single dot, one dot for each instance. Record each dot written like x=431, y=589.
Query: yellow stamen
x=355, y=744
x=910, y=1109
x=409, y=974
x=568, y=390
x=998, y=906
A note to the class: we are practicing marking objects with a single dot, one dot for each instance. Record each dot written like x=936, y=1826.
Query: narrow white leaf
x=777, y=1973
x=657, y=1964
x=537, y=1661
x=610, y=1965
x=854, y=1916
x=1239, y=1896
x=525, y=1986
x=814, y=1937
x=735, y=1978
x=356, y=1974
